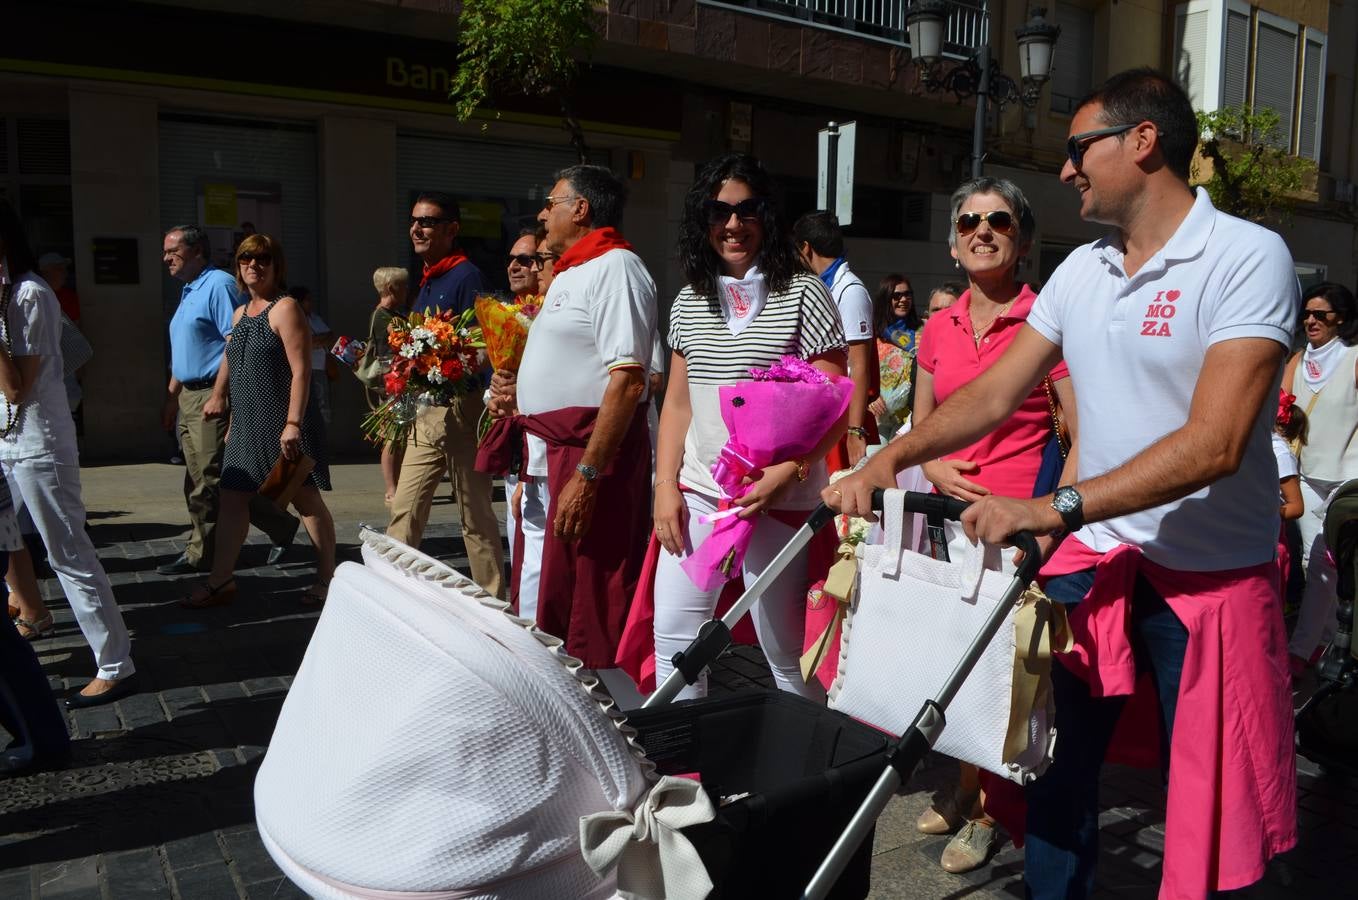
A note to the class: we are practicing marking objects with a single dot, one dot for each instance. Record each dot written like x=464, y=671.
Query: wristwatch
x=589, y=473
x=1069, y=505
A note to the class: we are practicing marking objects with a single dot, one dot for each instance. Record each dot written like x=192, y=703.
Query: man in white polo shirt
x=1174, y=328
x=581, y=397
x=820, y=243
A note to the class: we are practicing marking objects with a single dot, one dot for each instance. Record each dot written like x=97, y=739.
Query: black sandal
x=221, y=595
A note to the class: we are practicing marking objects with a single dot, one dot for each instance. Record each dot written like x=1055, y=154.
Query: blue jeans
x=1062, y=844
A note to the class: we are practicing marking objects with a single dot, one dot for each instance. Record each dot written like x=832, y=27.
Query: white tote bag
x=910, y=624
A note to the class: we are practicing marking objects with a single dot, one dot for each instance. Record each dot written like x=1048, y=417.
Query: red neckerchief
x=596, y=243
x=443, y=266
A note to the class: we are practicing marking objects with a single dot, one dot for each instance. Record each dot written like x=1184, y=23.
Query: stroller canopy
x=432, y=745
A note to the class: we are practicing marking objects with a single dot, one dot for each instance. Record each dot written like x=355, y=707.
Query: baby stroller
x=434, y=745
x=1327, y=725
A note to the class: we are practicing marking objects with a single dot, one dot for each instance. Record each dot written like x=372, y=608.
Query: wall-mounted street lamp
x=926, y=22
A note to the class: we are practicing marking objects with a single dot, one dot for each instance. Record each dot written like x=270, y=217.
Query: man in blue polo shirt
x=445, y=437
x=198, y=333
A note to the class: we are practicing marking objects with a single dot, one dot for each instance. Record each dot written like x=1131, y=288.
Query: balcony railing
x=877, y=20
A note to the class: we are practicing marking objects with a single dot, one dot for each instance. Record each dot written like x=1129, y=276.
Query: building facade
x=319, y=120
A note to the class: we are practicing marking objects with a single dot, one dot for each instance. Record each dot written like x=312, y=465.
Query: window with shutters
x=1073, y=65
x=1227, y=53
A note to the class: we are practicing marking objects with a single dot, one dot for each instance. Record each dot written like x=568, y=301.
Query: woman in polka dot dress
x=267, y=374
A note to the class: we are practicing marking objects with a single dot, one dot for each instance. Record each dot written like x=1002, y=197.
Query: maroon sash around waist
x=586, y=586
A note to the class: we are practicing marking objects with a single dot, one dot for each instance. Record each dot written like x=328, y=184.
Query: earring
x=957, y=264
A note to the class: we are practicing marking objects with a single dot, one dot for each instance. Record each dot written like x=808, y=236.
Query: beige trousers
x=445, y=438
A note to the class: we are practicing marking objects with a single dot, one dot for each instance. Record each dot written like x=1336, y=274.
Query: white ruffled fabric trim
x=430, y=569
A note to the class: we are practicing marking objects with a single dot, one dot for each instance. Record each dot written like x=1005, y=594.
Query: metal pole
x=978, y=129
x=831, y=164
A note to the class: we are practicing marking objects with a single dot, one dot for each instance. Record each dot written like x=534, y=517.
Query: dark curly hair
x=882, y=316
x=777, y=257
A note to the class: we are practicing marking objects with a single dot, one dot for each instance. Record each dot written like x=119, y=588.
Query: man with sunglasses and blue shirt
x=1174, y=329
x=445, y=436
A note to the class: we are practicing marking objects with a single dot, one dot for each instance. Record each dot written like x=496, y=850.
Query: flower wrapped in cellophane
x=779, y=416
x=504, y=326
x=436, y=358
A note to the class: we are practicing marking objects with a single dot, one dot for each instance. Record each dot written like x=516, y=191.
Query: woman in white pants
x=1324, y=378
x=747, y=304
x=38, y=457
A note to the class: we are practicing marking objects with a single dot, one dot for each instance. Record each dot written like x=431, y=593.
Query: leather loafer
x=180, y=566
x=121, y=688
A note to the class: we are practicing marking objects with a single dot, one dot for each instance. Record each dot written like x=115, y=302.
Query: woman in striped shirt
x=747, y=303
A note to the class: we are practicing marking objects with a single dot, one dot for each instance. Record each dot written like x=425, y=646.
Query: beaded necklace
x=11, y=411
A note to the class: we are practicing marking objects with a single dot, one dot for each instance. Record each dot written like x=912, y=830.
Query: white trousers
x=50, y=491
x=779, y=616
x=534, y=524
x=511, y=482
x=1316, y=622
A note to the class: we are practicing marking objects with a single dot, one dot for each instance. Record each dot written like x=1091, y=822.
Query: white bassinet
x=433, y=746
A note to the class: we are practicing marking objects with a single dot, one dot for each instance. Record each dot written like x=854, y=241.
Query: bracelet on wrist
x=665, y=481
x=858, y=431
x=291, y=422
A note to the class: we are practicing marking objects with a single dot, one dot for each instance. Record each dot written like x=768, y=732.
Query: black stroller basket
x=806, y=832
x=1327, y=726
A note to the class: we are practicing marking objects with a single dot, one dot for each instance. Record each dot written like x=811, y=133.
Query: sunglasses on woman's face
x=902, y=295
x=1320, y=315
x=719, y=213
x=1000, y=220
x=264, y=259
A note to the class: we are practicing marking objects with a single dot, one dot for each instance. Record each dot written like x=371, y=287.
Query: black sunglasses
x=264, y=259
x=1000, y=220
x=527, y=260
x=1320, y=315
x=428, y=221
x=748, y=210
x=1077, y=144
x=896, y=295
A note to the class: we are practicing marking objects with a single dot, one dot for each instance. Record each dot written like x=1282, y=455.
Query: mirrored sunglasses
x=1000, y=220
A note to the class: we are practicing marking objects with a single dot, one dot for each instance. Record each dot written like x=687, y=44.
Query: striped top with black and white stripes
x=800, y=321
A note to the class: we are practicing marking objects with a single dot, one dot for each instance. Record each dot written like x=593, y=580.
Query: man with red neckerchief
x=581, y=397
x=445, y=436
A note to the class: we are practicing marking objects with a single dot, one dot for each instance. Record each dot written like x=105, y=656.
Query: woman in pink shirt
x=992, y=231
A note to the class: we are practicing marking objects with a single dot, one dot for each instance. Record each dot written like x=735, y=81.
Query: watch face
x=1066, y=500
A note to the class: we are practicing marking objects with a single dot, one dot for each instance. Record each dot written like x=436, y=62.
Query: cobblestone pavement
x=157, y=802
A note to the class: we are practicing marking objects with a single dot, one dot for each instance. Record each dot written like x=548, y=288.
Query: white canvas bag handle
x=970, y=567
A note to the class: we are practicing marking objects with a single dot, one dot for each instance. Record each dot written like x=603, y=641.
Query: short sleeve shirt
x=597, y=316
x=454, y=290
x=854, y=304
x=1135, y=346
x=201, y=324
x=800, y=321
x=1008, y=459
x=43, y=426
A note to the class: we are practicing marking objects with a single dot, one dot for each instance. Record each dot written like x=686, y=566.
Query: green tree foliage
x=1252, y=177
x=533, y=48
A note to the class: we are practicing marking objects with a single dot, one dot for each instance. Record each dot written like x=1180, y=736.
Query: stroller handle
x=938, y=506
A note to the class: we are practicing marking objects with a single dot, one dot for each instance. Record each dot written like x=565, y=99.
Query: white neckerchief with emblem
x=1319, y=363
x=742, y=298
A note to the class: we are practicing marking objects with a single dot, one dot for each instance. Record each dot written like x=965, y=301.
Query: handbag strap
x=1056, y=417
